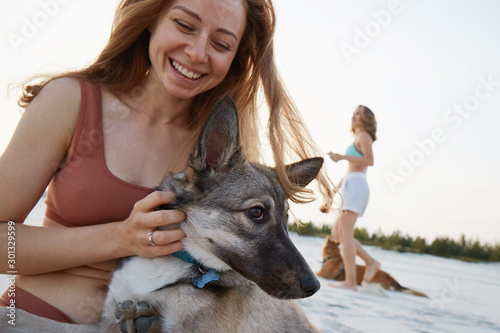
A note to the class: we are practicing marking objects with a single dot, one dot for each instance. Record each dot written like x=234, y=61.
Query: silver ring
x=150, y=237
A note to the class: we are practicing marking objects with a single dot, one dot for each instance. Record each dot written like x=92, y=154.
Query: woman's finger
x=155, y=199
x=165, y=237
x=161, y=217
x=162, y=250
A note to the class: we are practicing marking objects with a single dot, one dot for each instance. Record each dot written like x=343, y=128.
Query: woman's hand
x=144, y=219
x=335, y=157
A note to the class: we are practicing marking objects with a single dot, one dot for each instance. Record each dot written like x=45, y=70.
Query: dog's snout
x=309, y=285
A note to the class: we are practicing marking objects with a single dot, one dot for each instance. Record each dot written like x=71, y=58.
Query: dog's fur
x=333, y=268
x=236, y=223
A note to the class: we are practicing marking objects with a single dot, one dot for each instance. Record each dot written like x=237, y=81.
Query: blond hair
x=124, y=62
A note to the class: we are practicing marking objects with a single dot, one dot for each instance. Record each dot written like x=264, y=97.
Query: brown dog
x=333, y=268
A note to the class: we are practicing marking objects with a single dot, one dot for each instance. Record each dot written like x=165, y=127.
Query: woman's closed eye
x=221, y=46
x=188, y=28
x=184, y=26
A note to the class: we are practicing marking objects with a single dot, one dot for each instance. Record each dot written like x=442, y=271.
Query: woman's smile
x=192, y=75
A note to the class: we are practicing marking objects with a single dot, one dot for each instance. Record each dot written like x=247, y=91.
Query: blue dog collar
x=205, y=277
x=185, y=256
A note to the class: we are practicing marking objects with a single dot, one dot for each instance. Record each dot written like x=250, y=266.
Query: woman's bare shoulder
x=58, y=103
x=61, y=91
x=363, y=136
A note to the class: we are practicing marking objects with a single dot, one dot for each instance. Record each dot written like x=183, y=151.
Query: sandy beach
x=463, y=297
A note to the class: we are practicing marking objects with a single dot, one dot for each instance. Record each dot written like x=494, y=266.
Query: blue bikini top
x=352, y=151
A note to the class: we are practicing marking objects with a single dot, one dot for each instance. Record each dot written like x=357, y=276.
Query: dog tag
x=211, y=275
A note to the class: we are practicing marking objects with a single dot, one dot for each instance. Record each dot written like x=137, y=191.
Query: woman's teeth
x=184, y=71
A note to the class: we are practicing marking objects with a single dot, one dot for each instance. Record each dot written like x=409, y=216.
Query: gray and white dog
x=239, y=271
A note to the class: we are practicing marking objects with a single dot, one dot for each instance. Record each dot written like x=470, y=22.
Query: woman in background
x=355, y=194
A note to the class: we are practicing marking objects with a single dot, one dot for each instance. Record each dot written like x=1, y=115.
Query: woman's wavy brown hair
x=369, y=122
x=124, y=63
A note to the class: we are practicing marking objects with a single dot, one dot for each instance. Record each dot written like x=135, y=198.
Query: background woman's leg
x=345, y=224
x=372, y=265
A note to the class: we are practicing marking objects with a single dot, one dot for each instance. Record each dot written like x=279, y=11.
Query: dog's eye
x=256, y=214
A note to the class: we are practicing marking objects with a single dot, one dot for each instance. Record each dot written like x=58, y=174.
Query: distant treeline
x=463, y=249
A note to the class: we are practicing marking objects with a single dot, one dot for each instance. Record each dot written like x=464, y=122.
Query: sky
x=428, y=69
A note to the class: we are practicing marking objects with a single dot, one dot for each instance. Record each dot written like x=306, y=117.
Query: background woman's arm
x=365, y=143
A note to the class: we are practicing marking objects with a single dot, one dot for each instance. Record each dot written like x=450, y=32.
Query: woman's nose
x=197, y=49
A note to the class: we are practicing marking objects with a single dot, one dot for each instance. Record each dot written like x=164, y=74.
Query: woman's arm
x=40, y=143
x=46, y=249
x=365, y=143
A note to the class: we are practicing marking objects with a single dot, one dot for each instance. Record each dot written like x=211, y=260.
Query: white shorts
x=355, y=192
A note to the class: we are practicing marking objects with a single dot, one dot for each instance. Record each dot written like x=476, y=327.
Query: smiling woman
x=114, y=129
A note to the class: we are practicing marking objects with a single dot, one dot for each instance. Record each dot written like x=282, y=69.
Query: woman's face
x=357, y=118
x=193, y=44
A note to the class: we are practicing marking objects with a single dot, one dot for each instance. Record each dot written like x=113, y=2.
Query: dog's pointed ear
x=219, y=145
x=303, y=172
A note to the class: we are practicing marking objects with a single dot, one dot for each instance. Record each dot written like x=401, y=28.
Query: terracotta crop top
x=84, y=191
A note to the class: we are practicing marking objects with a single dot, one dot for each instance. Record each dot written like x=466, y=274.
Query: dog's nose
x=309, y=285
